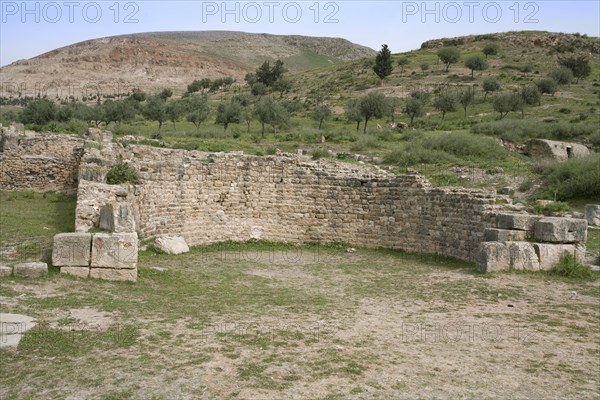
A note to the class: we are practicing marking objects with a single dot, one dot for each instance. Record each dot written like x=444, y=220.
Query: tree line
x=267, y=105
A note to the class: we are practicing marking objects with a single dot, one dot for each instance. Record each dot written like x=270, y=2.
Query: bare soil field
x=275, y=322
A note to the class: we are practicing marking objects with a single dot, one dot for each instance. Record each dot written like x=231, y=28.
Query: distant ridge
x=150, y=61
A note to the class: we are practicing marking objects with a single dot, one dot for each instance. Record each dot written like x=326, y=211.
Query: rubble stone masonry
x=209, y=198
x=39, y=162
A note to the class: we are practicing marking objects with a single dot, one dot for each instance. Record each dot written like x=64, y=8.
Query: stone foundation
x=214, y=197
x=550, y=239
x=208, y=198
x=99, y=255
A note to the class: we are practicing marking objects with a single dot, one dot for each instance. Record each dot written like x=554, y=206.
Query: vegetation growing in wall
x=121, y=173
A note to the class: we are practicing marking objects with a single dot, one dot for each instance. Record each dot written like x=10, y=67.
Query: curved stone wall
x=209, y=198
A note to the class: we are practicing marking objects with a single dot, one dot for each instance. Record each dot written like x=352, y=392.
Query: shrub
x=552, y=208
x=568, y=267
x=521, y=130
x=418, y=155
x=38, y=112
x=366, y=142
x=562, y=75
x=574, y=178
x=446, y=147
x=320, y=153
x=121, y=173
x=547, y=86
x=525, y=186
x=464, y=145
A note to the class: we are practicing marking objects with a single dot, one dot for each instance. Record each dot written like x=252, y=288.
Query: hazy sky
x=30, y=28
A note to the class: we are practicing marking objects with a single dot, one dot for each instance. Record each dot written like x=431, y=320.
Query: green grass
x=593, y=240
x=29, y=221
x=568, y=267
x=43, y=341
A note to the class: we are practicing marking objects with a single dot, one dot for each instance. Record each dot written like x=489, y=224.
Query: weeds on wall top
x=121, y=172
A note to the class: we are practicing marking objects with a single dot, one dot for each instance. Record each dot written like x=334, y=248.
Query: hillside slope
x=150, y=61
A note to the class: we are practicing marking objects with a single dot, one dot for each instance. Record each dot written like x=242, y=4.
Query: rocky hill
x=524, y=39
x=150, y=61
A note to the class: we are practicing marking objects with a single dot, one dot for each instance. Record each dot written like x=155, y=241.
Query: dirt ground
x=273, y=324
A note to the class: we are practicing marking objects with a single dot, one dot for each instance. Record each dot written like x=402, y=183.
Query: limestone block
x=522, y=222
x=580, y=252
x=5, y=270
x=118, y=217
x=114, y=274
x=549, y=254
x=31, y=269
x=592, y=214
x=81, y=272
x=523, y=256
x=561, y=230
x=503, y=235
x=492, y=256
x=171, y=244
x=71, y=249
x=117, y=250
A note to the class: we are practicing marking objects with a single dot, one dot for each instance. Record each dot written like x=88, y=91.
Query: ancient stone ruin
x=208, y=198
x=530, y=242
x=552, y=149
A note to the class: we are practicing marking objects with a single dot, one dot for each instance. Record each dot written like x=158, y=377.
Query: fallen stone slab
x=503, y=235
x=492, y=256
x=12, y=328
x=171, y=244
x=31, y=270
x=72, y=249
x=522, y=222
x=561, y=230
x=111, y=274
x=523, y=256
x=592, y=214
x=117, y=250
x=80, y=272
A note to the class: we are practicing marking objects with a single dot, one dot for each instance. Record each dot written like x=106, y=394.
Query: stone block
x=580, y=252
x=118, y=217
x=492, y=256
x=550, y=254
x=81, y=272
x=503, y=235
x=114, y=274
x=561, y=230
x=71, y=249
x=5, y=270
x=117, y=250
x=31, y=269
x=592, y=214
x=171, y=245
x=523, y=256
x=522, y=222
